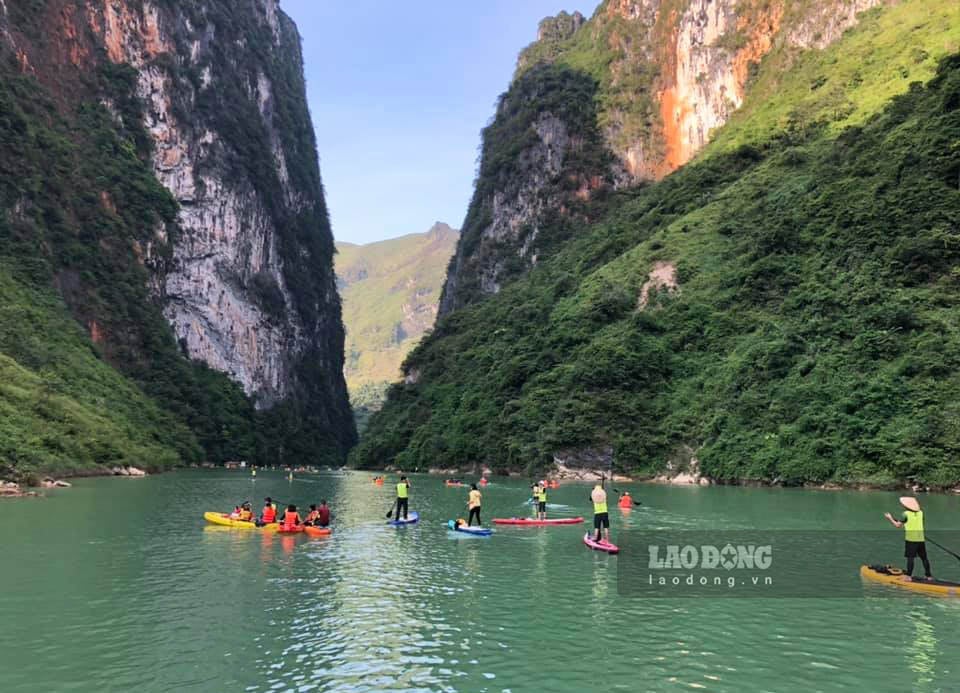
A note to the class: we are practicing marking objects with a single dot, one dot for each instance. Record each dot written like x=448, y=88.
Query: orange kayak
x=317, y=531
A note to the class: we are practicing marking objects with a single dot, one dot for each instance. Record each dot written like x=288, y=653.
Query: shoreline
x=566, y=474
x=15, y=489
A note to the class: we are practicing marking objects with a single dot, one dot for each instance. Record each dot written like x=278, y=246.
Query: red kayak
x=317, y=531
x=531, y=522
x=289, y=529
x=602, y=545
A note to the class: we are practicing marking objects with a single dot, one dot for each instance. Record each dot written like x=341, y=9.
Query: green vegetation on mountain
x=90, y=373
x=813, y=335
x=390, y=291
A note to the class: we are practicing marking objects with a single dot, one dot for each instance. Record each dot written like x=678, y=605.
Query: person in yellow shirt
x=473, y=504
x=601, y=517
x=403, y=497
x=246, y=513
x=915, y=542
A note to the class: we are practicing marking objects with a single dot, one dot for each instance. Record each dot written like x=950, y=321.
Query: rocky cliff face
x=665, y=74
x=245, y=275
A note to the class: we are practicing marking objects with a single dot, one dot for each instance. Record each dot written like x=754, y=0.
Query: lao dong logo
x=729, y=557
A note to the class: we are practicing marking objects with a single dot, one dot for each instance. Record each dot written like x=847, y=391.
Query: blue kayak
x=475, y=531
x=412, y=516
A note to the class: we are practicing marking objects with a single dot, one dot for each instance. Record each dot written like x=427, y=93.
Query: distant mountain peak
x=441, y=230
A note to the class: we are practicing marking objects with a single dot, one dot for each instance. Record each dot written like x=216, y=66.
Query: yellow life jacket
x=913, y=525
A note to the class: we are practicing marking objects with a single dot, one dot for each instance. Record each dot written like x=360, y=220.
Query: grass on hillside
x=62, y=408
x=814, y=337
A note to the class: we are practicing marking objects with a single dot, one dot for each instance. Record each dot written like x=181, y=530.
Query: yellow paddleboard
x=897, y=579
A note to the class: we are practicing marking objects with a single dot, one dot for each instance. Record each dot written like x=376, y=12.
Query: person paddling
x=915, y=542
x=601, y=518
x=403, y=497
x=291, y=518
x=473, y=504
x=311, y=518
x=269, y=513
x=625, y=500
x=323, y=514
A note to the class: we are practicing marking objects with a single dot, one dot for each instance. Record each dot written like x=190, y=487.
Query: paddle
x=616, y=490
x=390, y=513
x=943, y=548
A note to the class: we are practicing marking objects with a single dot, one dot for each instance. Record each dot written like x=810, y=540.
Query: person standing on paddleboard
x=473, y=504
x=601, y=518
x=541, y=498
x=403, y=497
x=915, y=543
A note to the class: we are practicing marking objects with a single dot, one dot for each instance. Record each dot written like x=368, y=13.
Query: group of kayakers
x=316, y=517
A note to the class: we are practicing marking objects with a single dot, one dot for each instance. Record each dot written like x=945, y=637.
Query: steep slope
x=390, y=290
x=783, y=308
x=160, y=176
x=625, y=97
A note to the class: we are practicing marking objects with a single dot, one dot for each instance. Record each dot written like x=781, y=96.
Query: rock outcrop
x=244, y=274
x=665, y=76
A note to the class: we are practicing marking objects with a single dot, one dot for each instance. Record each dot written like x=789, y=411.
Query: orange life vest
x=269, y=514
x=291, y=518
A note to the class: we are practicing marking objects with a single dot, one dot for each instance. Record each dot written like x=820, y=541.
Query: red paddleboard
x=602, y=545
x=533, y=523
x=317, y=531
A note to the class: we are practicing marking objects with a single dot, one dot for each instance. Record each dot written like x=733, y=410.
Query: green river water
x=118, y=585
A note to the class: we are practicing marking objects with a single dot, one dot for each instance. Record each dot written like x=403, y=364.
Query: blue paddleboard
x=475, y=531
x=412, y=517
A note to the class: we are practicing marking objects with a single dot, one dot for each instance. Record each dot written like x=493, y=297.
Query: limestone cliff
x=244, y=273
x=665, y=76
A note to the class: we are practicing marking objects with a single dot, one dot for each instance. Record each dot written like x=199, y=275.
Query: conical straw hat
x=910, y=503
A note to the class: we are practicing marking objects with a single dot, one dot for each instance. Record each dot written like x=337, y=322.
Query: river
x=118, y=584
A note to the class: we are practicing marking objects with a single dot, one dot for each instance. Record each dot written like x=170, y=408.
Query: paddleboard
x=529, y=521
x=602, y=545
x=412, y=516
x=475, y=531
x=896, y=578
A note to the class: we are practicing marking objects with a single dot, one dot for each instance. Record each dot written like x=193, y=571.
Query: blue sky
x=398, y=92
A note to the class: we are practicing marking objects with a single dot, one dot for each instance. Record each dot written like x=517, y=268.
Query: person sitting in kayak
x=323, y=514
x=291, y=518
x=625, y=500
x=403, y=497
x=915, y=542
x=473, y=504
x=269, y=513
x=246, y=514
x=235, y=515
x=311, y=516
x=601, y=518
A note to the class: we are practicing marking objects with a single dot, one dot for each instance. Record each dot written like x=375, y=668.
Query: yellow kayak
x=894, y=576
x=225, y=520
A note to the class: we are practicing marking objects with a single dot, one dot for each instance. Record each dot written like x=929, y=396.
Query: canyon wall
x=244, y=276
x=666, y=75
